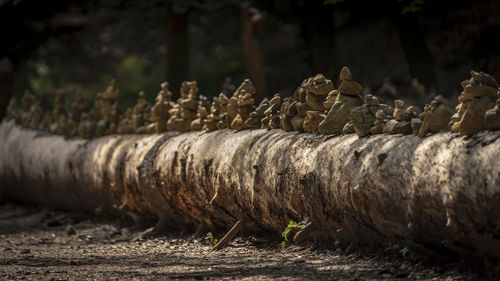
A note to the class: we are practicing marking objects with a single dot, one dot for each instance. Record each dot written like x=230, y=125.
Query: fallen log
x=440, y=191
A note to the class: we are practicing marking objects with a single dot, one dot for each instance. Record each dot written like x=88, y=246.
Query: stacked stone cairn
x=478, y=96
x=103, y=105
x=347, y=99
x=434, y=119
x=216, y=119
x=363, y=118
x=315, y=107
x=184, y=111
x=160, y=110
x=272, y=114
x=142, y=114
x=401, y=122
x=241, y=104
x=201, y=115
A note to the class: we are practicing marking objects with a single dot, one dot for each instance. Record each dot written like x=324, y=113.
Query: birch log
x=440, y=191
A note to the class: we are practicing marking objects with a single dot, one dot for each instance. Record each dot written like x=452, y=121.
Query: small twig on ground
x=229, y=235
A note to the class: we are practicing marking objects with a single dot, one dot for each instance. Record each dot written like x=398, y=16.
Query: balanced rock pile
x=435, y=117
x=185, y=111
x=241, y=105
x=272, y=116
x=216, y=119
x=479, y=94
x=363, y=117
x=160, y=110
x=142, y=114
x=201, y=113
x=315, y=107
x=347, y=99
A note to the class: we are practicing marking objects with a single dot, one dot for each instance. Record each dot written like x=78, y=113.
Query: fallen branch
x=440, y=191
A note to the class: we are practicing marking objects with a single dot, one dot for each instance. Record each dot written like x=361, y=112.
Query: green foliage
x=411, y=6
x=210, y=239
x=98, y=210
x=292, y=227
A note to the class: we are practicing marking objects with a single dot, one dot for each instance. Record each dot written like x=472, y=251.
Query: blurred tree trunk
x=319, y=37
x=177, y=47
x=418, y=55
x=5, y=85
x=251, y=21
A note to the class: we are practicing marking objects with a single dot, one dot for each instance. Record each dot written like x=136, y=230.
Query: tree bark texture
x=440, y=191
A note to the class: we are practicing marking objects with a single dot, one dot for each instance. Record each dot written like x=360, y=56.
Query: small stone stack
x=222, y=123
x=233, y=105
x=184, y=112
x=330, y=100
x=272, y=114
x=142, y=114
x=216, y=118
x=255, y=118
x=435, y=117
x=202, y=113
x=298, y=108
x=102, y=108
x=348, y=98
x=79, y=107
x=87, y=127
x=126, y=124
x=317, y=90
x=160, y=110
x=363, y=117
x=401, y=122
x=479, y=95
x=286, y=114
x=246, y=104
x=378, y=125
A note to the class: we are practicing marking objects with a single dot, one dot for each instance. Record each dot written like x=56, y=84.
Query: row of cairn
x=315, y=107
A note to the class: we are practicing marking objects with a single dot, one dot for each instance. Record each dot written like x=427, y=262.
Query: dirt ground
x=41, y=244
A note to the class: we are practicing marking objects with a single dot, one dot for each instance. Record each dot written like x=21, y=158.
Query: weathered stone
x=472, y=120
x=318, y=85
x=399, y=110
x=378, y=125
x=362, y=119
x=247, y=86
x=348, y=128
x=302, y=108
x=291, y=110
x=394, y=126
x=351, y=88
x=479, y=95
x=315, y=101
x=345, y=73
x=297, y=123
x=440, y=118
x=286, y=123
x=416, y=124
x=330, y=99
x=312, y=120
x=339, y=114
x=160, y=110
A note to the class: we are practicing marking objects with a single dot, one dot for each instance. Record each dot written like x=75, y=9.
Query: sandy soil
x=40, y=244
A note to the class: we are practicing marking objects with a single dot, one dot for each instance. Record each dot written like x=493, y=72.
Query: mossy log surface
x=440, y=191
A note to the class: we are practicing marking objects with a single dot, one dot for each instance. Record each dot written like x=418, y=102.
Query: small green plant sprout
x=291, y=228
x=210, y=239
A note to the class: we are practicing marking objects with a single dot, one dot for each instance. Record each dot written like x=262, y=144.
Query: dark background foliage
x=80, y=45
